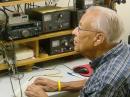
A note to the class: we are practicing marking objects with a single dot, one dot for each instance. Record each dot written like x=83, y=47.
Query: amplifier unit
x=53, y=18
x=57, y=45
x=22, y=30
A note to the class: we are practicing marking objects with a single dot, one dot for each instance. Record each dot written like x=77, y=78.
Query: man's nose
x=75, y=31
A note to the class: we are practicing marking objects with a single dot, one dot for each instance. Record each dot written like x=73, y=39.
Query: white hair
x=107, y=22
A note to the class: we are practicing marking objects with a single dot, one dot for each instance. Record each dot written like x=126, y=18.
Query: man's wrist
x=72, y=86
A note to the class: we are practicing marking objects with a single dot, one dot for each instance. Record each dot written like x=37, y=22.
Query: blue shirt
x=112, y=74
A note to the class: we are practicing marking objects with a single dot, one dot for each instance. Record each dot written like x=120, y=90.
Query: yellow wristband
x=59, y=85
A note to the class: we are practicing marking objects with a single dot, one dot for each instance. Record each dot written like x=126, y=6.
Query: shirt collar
x=107, y=56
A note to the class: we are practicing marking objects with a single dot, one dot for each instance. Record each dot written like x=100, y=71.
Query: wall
x=123, y=11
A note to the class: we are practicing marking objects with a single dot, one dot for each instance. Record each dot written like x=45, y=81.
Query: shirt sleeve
x=104, y=91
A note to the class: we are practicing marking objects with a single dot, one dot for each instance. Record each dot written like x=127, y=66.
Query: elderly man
x=97, y=38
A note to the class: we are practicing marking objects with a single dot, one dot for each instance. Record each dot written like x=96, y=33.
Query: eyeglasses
x=79, y=29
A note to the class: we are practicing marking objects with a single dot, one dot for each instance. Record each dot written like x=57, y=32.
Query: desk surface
x=59, y=70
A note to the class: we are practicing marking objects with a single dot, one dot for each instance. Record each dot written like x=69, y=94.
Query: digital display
x=55, y=43
x=47, y=17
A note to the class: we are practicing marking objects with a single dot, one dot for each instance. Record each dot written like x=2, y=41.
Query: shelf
x=44, y=36
x=40, y=59
x=60, y=33
x=12, y=3
x=56, y=56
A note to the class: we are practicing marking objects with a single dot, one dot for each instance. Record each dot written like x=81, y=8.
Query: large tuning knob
x=25, y=33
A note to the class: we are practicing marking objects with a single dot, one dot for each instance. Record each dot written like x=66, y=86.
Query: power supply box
x=57, y=45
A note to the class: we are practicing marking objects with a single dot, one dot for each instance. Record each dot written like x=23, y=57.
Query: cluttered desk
x=56, y=72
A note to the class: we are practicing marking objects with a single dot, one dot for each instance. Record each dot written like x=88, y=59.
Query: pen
x=73, y=74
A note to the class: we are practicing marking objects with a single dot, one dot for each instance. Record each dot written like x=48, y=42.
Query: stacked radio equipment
x=53, y=18
x=19, y=26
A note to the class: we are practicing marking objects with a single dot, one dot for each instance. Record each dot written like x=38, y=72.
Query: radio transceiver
x=22, y=30
x=53, y=18
x=57, y=45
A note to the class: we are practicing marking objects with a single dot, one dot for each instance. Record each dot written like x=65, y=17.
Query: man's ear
x=99, y=38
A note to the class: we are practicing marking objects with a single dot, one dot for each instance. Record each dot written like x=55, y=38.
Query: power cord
x=12, y=69
x=4, y=25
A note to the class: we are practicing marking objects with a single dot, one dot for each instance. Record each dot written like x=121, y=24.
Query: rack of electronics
x=41, y=33
x=34, y=33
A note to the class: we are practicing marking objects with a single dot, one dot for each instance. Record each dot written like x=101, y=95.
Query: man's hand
x=35, y=91
x=50, y=85
x=47, y=84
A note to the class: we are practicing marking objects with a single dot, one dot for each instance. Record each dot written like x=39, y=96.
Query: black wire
x=11, y=67
x=19, y=81
x=25, y=6
x=12, y=84
x=20, y=87
x=7, y=9
x=68, y=3
x=48, y=3
x=30, y=5
x=15, y=8
x=20, y=8
x=45, y=3
x=14, y=64
x=13, y=53
x=68, y=67
x=6, y=21
x=33, y=5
